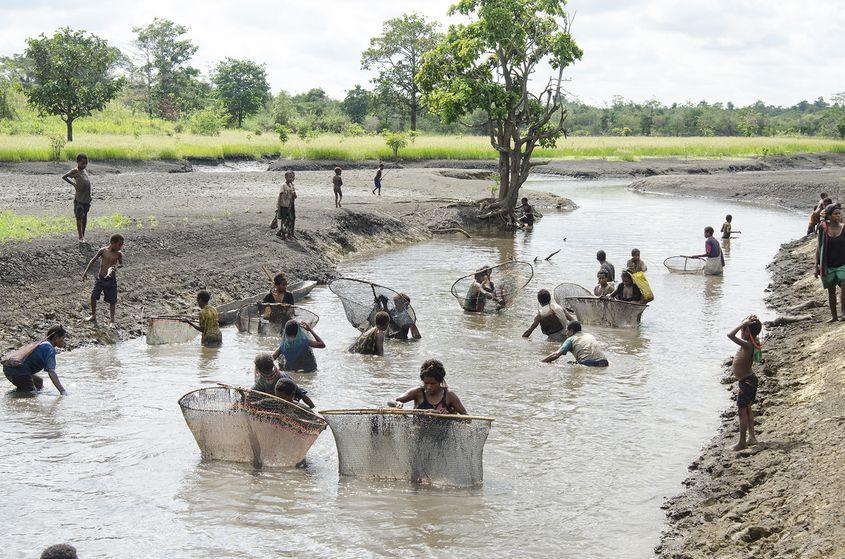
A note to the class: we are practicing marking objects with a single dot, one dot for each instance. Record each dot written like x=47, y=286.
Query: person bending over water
x=747, y=354
x=268, y=376
x=208, y=321
x=713, y=252
x=584, y=346
x=401, y=323
x=551, y=318
x=628, y=291
x=830, y=258
x=21, y=366
x=603, y=288
x=434, y=394
x=297, y=340
x=371, y=342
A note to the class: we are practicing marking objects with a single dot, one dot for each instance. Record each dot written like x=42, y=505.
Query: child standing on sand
x=377, y=179
x=747, y=354
x=337, y=183
x=80, y=180
x=111, y=258
x=283, y=206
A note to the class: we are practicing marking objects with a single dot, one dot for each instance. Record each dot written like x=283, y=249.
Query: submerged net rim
x=610, y=300
x=699, y=262
x=355, y=280
x=409, y=413
x=310, y=416
x=251, y=311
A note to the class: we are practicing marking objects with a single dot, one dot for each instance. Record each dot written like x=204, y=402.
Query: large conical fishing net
x=268, y=319
x=410, y=445
x=685, y=264
x=506, y=280
x=169, y=330
x=362, y=300
x=241, y=425
x=594, y=311
x=566, y=290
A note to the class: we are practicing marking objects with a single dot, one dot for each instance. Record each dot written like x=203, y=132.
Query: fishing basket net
x=362, y=300
x=169, y=330
x=566, y=290
x=268, y=319
x=242, y=425
x=685, y=265
x=503, y=282
x=410, y=445
x=594, y=311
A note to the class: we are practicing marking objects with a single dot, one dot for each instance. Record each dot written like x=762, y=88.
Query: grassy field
x=234, y=144
x=15, y=227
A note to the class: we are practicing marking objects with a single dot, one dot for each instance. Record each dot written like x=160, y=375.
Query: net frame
x=690, y=265
x=359, y=302
x=419, y=446
x=251, y=319
x=566, y=290
x=169, y=329
x=242, y=425
x=512, y=288
x=604, y=311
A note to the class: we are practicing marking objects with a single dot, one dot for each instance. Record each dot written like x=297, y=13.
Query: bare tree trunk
x=414, y=109
x=504, y=175
x=69, y=123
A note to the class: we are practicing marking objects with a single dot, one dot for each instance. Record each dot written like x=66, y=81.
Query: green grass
x=14, y=227
x=238, y=144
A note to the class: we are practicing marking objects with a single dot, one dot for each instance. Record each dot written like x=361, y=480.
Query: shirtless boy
x=111, y=258
x=337, y=184
x=79, y=179
x=741, y=369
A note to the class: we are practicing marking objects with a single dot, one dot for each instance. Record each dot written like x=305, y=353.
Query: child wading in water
x=747, y=354
x=80, y=180
x=337, y=184
x=209, y=321
x=111, y=258
x=371, y=342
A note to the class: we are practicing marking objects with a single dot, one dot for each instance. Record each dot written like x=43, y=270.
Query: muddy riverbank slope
x=192, y=231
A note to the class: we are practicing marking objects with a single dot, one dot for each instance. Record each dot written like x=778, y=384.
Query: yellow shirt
x=209, y=321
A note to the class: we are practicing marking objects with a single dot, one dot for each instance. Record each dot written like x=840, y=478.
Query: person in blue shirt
x=42, y=358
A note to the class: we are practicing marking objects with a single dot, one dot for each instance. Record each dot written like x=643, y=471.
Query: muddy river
x=577, y=464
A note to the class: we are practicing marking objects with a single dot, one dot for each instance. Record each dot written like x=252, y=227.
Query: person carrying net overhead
x=208, y=322
x=401, y=322
x=298, y=339
x=434, y=394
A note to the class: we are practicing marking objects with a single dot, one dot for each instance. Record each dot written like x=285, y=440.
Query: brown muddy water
x=577, y=464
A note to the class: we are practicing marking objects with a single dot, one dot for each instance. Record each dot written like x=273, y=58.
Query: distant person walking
x=830, y=258
x=337, y=184
x=377, y=179
x=80, y=180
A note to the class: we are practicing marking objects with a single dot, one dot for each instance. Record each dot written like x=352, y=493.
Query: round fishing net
x=169, y=330
x=410, y=445
x=268, y=319
x=684, y=264
x=241, y=425
x=362, y=300
x=498, y=289
x=594, y=311
x=566, y=290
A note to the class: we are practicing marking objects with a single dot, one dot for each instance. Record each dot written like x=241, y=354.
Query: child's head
x=381, y=165
x=264, y=363
x=602, y=277
x=60, y=551
x=729, y=218
x=203, y=297
x=708, y=231
x=116, y=241
x=635, y=254
x=823, y=195
x=281, y=281
x=573, y=328
x=56, y=335
x=432, y=374
x=544, y=297
x=627, y=279
x=480, y=275
x=382, y=320
x=601, y=256
x=292, y=328
x=337, y=170
x=524, y=201
x=401, y=301
x=285, y=389
x=289, y=175
x=81, y=160
x=754, y=327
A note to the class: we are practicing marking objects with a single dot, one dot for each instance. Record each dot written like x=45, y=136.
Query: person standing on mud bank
x=337, y=184
x=816, y=215
x=284, y=204
x=111, y=258
x=79, y=179
x=830, y=258
x=713, y=253
x=21, y=366
x=377, y=179
x=747, y=354
x=606, y=266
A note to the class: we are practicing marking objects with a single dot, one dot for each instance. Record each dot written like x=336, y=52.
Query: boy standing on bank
x=80, y=180
x=111, y=258
x=747, y=354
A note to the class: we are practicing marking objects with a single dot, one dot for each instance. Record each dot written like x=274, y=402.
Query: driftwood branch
x=788, y=319
x=452, y=230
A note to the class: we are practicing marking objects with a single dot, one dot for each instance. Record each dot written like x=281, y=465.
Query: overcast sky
x=716, y=50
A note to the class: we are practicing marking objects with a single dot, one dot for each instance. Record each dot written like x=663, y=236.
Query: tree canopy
x=241, y=86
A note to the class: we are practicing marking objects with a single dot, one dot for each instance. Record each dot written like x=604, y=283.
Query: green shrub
x=207, y=122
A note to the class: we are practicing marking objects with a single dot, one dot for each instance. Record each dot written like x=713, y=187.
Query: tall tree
x=357, y=103
x=172, y=85
x=489, y=64
x=71, y=75
x=397, y=54
x=241, y=86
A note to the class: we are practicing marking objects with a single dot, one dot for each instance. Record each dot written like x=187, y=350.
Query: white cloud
x=717, y=50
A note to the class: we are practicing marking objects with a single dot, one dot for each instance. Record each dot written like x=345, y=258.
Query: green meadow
x=16, y=227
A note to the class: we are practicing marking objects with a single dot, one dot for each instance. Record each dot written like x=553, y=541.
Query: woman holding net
x=434, y=394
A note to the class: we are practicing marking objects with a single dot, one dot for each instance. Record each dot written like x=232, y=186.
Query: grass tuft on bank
x=15, y=227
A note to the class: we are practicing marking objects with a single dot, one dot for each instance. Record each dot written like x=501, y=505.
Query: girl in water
x=296, y=346
x=433, y=395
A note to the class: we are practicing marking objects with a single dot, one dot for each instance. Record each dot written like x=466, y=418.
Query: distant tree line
x=72, y=74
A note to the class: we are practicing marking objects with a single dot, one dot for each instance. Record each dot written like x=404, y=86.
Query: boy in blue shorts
x=111, y=258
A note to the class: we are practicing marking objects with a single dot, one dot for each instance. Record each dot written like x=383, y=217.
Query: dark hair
x=524, y=200
x=285, y=386
x=575, y=326
x=404, y=297
x=382, y=319
x=827, y=201
x=57, y=331
x=728, y=217
x=600, y=255
x=627, y=273
x=381, y=164
x=635, y=251
x=708, y=230
x=337, y=170
x=204, y=296
x=823, y=195
x=60, y=551
x=601, y=273
x=279, y=278
x=544, y=297
x=116, y=238
x=264, y=362
x=291, y=328
x=755, y=328
x=80, y=157
x=434, y=369
x=829, y=209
